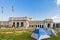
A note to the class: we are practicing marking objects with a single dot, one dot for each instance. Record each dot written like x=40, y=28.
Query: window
x=48, y=25
x=29, y=25
x=17, y=24
x=13, y=23
x=32, y=25
x=22, y=24
x=40, y=26
x=36, y=25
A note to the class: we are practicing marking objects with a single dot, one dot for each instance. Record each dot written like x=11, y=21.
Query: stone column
x=27, y=24
x=51, y=25
x=19, y=24
x=15, y=24
x=10, y=24
x=46, y=25
x=55, y=25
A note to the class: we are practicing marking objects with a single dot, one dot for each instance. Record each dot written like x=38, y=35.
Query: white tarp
x=44, y=37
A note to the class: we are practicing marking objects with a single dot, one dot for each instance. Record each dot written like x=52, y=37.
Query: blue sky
x=37, y=9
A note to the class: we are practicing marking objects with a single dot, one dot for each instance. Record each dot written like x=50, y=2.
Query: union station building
x=26, y=22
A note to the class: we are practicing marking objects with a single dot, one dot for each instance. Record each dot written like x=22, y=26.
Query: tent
x=51, y=32
x=39, y=34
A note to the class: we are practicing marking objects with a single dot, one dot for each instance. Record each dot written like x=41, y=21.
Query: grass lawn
x=22, y=35
x=15, y=35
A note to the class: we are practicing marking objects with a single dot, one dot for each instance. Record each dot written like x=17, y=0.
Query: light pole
x=2, y=15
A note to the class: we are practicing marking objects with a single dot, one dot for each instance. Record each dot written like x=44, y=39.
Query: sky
x=37, y=9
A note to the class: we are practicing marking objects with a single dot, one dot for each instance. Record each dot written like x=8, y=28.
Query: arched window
x=48, y=25
x=42, y=26
x=54, y=26
x=22, y=24
x=29, y=25
x=17, y=24
x=32, y=26
x=13, y=23
x=36, y=25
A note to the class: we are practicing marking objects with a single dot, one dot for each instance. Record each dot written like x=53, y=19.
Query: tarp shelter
x=39, y=34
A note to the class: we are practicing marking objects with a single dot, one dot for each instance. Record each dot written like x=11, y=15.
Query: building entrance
x=17, y=24
x=22, y=24
x=48, y=25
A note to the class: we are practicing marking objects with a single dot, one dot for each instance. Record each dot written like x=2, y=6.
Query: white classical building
x=25, y=22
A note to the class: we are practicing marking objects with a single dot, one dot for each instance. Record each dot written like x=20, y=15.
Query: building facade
x=25, y=22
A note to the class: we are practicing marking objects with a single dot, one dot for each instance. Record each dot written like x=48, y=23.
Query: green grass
x=23, y=35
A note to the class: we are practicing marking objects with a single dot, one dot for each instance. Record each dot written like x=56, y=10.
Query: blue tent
x=51, y=32
x=37, y=33
x=40, y=31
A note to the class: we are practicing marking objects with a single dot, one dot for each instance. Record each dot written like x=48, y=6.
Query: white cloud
x=56, y=18
x=58, y=2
